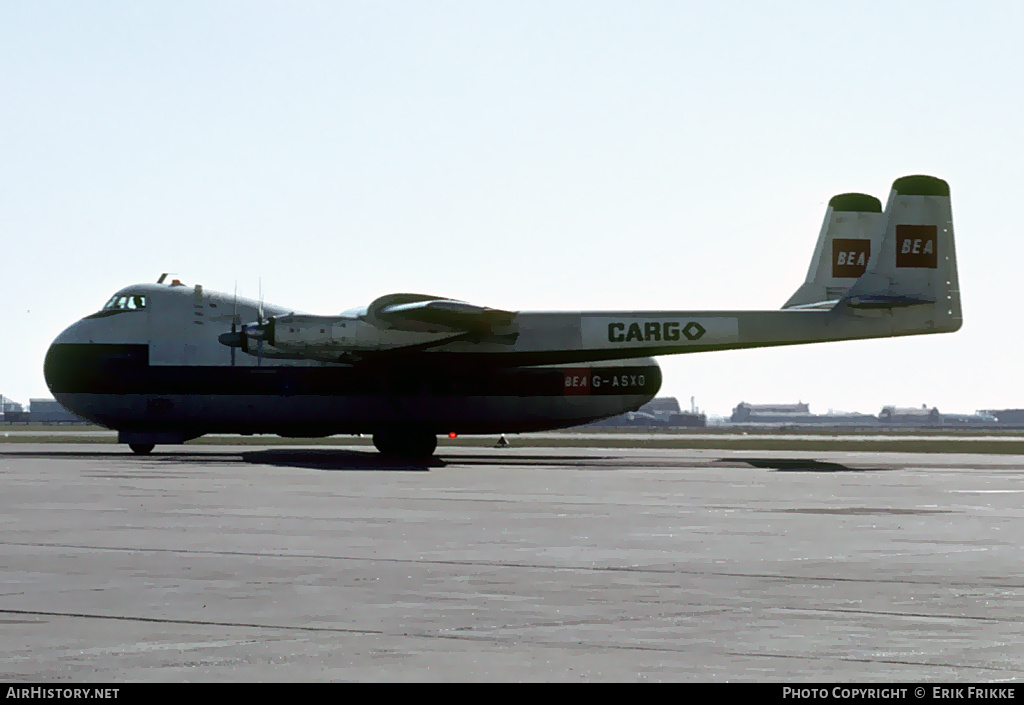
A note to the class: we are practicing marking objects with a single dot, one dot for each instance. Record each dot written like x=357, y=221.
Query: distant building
x=1006, y=417
x=798, y=414
x=661, y=405
x=11, y=411
x=910, y=415
x=923, y=416
x=663, y=412
x=770, y=413
x=50, y=411
x=978, y=418
x=848, y=418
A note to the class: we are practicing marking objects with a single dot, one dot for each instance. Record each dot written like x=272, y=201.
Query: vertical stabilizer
x=849, y=239
x=916, y=263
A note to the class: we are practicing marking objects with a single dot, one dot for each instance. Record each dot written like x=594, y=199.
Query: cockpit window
x=125, y=302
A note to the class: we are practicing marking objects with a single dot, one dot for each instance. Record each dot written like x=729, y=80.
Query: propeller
x=259, y=327
x=234, y=321
x=240, y=334
x=234, y=339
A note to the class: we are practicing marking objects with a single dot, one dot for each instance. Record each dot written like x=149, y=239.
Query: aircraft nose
x=77, y=363
x=55, y=365
x=66, y=359
x=68, y=335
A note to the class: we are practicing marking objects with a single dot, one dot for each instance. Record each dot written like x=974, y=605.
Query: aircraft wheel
x=141, y=448
x=407, y=444
x=420, y=444
x=384, y=442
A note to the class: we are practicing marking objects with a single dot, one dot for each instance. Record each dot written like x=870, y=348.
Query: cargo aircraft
x=165, y=363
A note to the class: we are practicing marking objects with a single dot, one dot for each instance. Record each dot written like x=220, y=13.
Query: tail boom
x=907, y=284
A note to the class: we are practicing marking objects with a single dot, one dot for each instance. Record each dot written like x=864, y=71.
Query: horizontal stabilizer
x=883, y=301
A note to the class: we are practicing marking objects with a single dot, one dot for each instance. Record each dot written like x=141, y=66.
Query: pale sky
x=522, y=155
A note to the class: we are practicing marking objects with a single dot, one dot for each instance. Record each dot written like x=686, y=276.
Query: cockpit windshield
x=125, y=302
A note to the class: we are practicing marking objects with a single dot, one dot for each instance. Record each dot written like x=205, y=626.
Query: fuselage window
x=129, y=302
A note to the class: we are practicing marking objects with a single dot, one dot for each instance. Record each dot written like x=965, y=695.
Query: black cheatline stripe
x=125, y=369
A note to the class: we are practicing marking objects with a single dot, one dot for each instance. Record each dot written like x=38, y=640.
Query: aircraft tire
x=383, y=442
x=421, y=444
x=142, y=448
x=406, y=444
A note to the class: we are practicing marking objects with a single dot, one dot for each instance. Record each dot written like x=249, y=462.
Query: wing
x=423, y=314
x=393, y=325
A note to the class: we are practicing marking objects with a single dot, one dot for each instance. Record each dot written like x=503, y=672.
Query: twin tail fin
x=867, y=259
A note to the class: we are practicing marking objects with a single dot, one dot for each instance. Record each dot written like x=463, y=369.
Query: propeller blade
x=259, y=321
x=234, y=321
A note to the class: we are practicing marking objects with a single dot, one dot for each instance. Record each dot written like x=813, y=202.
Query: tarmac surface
x=239, y=563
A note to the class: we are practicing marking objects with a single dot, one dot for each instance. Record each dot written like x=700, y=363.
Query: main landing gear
x=142, y=448
x=406, y=443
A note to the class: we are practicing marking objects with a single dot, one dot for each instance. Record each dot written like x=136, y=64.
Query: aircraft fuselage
x=157, y=373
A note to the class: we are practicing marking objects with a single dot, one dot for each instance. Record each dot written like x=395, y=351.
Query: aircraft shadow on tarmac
x=799, y=465
x=333, y=459
x=318, y=459
x=337, y=459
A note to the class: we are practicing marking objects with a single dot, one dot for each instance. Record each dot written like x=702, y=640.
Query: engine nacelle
x=332, y=338
x=390, y=323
